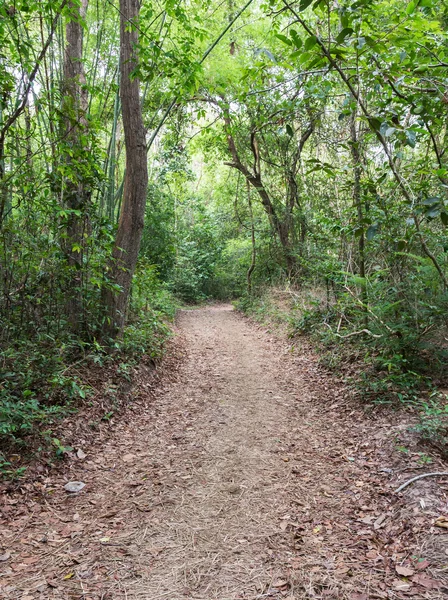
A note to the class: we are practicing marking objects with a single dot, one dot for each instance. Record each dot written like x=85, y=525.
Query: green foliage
x=433, y=425
x=319, y=160
x=198, y=251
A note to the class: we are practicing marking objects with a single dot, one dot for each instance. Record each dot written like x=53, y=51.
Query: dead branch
x=404, y=485
x=367, y=331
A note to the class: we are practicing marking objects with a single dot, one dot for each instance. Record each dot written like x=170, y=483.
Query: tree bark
x=356, y=157
x=76, y=191
x=130, y=225
x=253, y=245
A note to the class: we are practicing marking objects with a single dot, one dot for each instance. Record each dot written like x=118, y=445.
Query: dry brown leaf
x=129, y=457
x=380, y=521
x=80, y=454
x=422, y=565
x=442, y=522
x=426, y=582
x=401, y=586
x=404, y=571
x=6, y=556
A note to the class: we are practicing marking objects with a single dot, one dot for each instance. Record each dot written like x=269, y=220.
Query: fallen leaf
x=442, y=522
x=69, y=576
x=401, y=585
x=317, y=529
x=379, y=522
x=367, y=520
x=6, y=556
x=426, y=582
x=104, y=540
x=80, y=454
x=280, y=583
x=129, y=457
x=41, y=586
x=422, y=565
x=404, y=571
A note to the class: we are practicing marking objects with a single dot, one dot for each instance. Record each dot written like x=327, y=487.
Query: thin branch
x=367, y=331
x=404, y=485
x=16, y=114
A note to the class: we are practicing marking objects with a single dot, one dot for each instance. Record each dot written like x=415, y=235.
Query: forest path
x=240, y=480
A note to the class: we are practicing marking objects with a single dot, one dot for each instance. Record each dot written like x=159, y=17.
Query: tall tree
x=76, y=187
x=130, y=226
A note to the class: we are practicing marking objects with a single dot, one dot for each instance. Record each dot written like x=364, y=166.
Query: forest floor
x=249, y=473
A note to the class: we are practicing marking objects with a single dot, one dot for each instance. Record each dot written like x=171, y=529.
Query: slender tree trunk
x=130, y=226
x=356, y=156
x=253, y=177
x=252, y=237
x=76, y=191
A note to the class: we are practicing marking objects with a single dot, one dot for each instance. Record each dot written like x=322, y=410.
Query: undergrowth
x=42, y=375
x=391, y=363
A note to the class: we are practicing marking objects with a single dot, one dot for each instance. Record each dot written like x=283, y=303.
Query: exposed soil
x=251, y=474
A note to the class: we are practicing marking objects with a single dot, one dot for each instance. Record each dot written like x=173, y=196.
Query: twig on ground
x=404, y=485
x=353, y=333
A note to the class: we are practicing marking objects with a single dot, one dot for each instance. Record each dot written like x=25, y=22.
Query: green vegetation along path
x=246, y=477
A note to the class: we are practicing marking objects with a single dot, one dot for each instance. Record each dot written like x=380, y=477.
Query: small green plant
x=424, y=459
x=60, y=449
x=8, y=471
x=433, y=423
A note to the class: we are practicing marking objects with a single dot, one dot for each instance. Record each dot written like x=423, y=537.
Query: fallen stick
x=403, y=485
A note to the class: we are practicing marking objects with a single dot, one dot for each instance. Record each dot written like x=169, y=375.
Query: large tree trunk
x=130, y=226
x=76, y=191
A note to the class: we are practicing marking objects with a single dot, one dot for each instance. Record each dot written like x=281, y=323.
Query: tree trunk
x=356, y=156
x=76, y=190
x=253, y=245
x=279, y=227
x=130, y=226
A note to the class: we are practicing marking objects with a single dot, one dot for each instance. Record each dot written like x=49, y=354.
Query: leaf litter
x=246, y=472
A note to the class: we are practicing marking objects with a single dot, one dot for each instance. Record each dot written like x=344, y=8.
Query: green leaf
x=371, y=232
x=289, y=130
x=375, y=123
x=343, y=34
x=284, y=39
x=444, y=218
x=410, y=7
x=431, y=201
x=304, y=4
x=310, y=42
x=432, y=213
x=295, y=38
x=411, y=137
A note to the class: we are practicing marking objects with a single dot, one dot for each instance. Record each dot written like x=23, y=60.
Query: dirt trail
x=245, y=478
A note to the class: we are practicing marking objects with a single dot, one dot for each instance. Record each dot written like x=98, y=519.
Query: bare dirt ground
x=249, y=475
